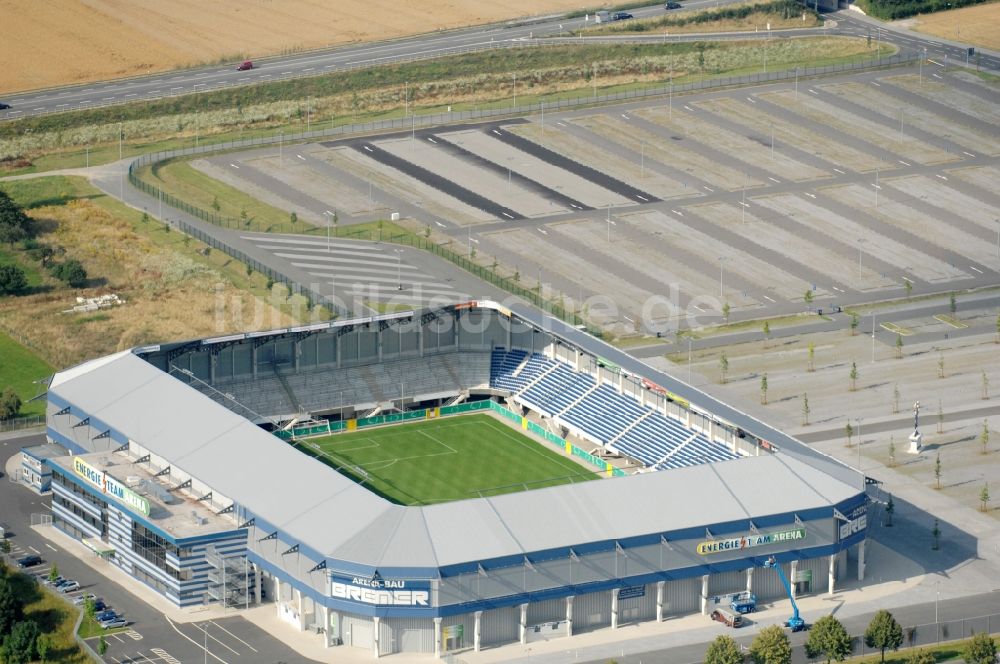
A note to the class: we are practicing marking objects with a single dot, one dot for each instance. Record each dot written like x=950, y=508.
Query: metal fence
x=509, y=284
x=19, y=423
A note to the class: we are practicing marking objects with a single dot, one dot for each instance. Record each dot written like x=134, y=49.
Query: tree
x=981, y=649
x=854, y=376
x=249, y=271
x=19, y=646
x=808, y=297
x=940, y=418
x=998, y=329
x=920, y=656
x=895, y=398
x=763, y=389
x=936, y=534
x=899, y=346
x=725, y=311
x=812, y=356
x=215, y=204
x=985, y=387
x=771, y=646
x=941, y=365
x=54, y=572
x=71, y=272
x=984, y=437
x=909, y=287
x=90, y=607
x=43, y=644
x=848, y=431
x=723, y=366
x=10, y=404
x=892, y=451
x=767, y=330
x=890, y=508
x=805, y=410
x=293, y=218
x=952, y=304
x=855, y=321
x=937, y=471
x=984, y=498
x=102, y=646
x=723, y=650
x=11, y=607
x=12, y=280
x=145, y=217
x=884, y=632
x=829, y=639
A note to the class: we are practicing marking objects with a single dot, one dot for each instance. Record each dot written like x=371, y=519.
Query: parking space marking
x=233, y=635
x=204, y=630
x=771, y=299
x=840, y=171
x=34, y=549
x=207, y=651
x=973, y=267
x=51, y=547
x=162, y=654
x=134, y=635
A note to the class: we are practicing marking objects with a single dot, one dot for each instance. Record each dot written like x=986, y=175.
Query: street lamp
x=859, y=447
x=610, y=223
x=722, y=260
x=877, y=187
x=331, y=222
x=399, y=268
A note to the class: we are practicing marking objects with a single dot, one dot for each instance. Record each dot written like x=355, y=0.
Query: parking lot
x=847, y=187
x=151, y=636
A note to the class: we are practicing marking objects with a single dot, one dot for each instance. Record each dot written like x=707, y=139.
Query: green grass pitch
x=434, y=461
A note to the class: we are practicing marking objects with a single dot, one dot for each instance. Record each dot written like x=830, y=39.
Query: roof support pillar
x=795, y=569
x=569, y=616
x=300, y=608
x=522, y=627
x=659, y=600
x=831, y=576
x=277, y=596
x=477, y=634
x=704, y=595
x=749, y=579
x=861, y=560
x=375, y=627
x=437, y=637
x=614, y=608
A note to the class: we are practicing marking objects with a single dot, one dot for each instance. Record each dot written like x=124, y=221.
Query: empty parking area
x=768, y=199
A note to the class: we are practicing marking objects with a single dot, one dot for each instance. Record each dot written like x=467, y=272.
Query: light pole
x=515, y=90
x=329, y=223
x=399, y=268
x=873, y=337
x=859, y=447
x=743, y=203
x=610, y=223
x=877, y=187
x=722, y=260
x=281, y=148
x=121, y=136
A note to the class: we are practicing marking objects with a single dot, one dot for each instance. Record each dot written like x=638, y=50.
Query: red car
x=245, y=65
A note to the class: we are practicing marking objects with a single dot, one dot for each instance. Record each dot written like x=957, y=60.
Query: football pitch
x=434, y=461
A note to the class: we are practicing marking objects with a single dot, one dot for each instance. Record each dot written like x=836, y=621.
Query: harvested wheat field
x=978, y=25
x=57, y=42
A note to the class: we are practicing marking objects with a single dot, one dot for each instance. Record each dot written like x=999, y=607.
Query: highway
x=424, y=46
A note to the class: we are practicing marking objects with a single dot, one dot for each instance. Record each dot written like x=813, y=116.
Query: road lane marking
x=839, y=290
x=769, y=298
x=774, y=179
x=300, y=157
x=810, y=195
x=707, y=188
x=688, y=108
x=367, y=148
x=507, y=215
x=497, y=132
x=751, y=100
x=642, y=198
x=813, y=91
x=234, y=165
x=840, y=171
x=941, y=176
x=904, y=163
x=34, y=549
x=972, y=267
x=440, y=224
x=876, y=84
x=679, y=214
x=968, y=153
x=209, y=635
x=543, y=231
x=51, y=547
x=431, y=139
x=561, y=124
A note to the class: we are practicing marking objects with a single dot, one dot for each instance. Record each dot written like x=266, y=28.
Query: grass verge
x=20, y=369
x=778, y=14
x=54, y=617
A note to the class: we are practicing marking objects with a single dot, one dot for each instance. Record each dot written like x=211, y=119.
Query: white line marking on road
x=211, y=636
x=643, y=198
x=47, y=507
x=234, y=165
x=367, y=148
x=813, y=91
x=300, y=157
x=840, y=171
x=431, y=139
x=208, y=652
x=810, y=195
x=751, y=100
x=769, y=298
x=876, y=84
x=329, y=66
x=626, y=117
x=968, y=153
x=440, y=224
x=774, y=179
x=34, y=549
x=543, y=231
x=688, y=108
x=972, y=267
x=904, y=163
x=941, y=176
x=839, y=290
x=561, y=124
x=707, y=188
x=935, y=62
x=936, y=75
x=574, y=205
x=496, y=131
x=134, y=635
x=308, y=69
x=679, y=214
x=509, y=216
x=699, y=307
x=233, y=635
x=51, y=547
x=162, y=654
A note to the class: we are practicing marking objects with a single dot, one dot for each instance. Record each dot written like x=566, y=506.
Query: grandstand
x=226, y=425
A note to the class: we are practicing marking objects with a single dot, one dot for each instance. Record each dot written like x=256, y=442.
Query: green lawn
x=19, y=368
x=435, y=461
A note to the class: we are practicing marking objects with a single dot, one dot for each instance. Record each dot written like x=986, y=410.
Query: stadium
x=453, y=478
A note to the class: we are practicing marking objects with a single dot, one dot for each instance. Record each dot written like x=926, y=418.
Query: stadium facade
x=173, y=478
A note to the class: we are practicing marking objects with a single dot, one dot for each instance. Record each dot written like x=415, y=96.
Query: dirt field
x=73, y=41
x=978, y=25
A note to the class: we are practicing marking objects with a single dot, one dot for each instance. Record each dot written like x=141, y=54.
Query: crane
x=795, y=623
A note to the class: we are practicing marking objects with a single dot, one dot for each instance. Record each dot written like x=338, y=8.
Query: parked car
x=29, y=561
x=672, y=5
x=728, y=618
x=83, y=598
x=112, y=624
x=106, y=614
x=69, y=587
x=244, y=66
x=621, y=16
x=3, y=106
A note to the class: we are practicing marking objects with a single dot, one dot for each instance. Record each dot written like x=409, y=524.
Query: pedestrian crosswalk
x=355, y=270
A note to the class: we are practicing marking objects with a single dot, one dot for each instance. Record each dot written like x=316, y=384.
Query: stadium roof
x=243, y=462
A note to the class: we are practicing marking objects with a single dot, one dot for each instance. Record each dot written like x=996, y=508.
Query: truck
x=744, y=602
x=795, y=623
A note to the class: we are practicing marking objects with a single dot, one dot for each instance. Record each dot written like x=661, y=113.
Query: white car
x=68, y=587
x=83, y=598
